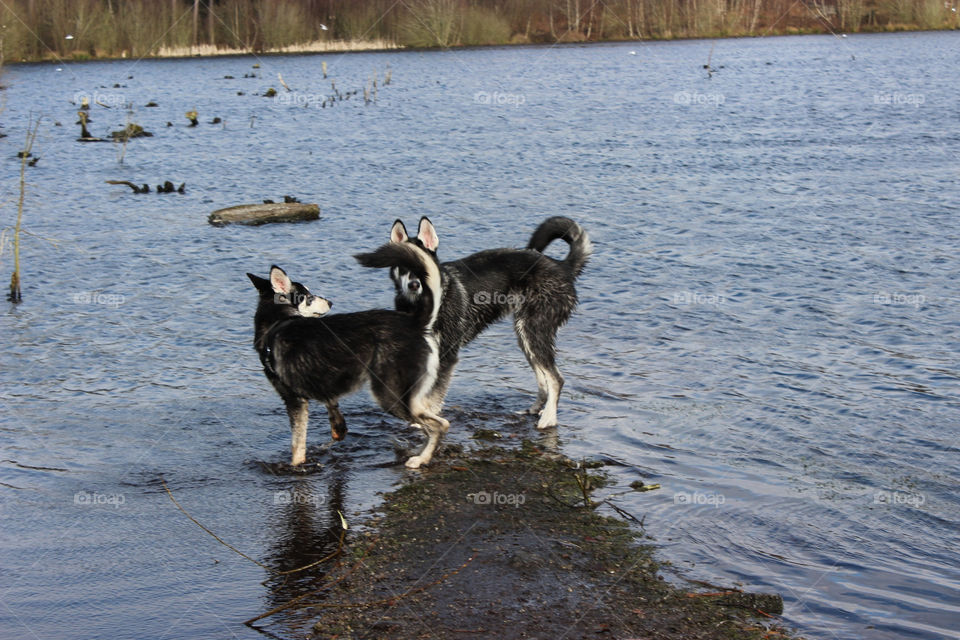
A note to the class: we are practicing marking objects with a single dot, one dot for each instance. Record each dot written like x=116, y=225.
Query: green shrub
x=483, y=26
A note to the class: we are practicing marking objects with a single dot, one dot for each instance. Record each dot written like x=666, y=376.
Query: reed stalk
x=15, y=292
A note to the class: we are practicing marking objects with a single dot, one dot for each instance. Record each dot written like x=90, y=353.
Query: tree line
x=43, y=29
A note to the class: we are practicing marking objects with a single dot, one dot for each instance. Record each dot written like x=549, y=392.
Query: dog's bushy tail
x=409, y=256
x=572, y=233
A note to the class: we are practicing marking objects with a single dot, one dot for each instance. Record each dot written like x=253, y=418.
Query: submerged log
x=254, y=214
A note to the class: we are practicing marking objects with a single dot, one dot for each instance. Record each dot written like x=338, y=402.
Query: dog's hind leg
x=542, y=384
x=538, y=341
x=338, y=426
x=435, y=428
x=438, y=393
x=548, y=416
x=298, y=410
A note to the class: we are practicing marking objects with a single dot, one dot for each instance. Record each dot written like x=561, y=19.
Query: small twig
x=622, y=512
x=135, y=188
x=241, y=553
x=343, y=532
x=28, y=466
x=300, y=598
x=549, y=494
x=215, y=536
x=37, y=235
x=123, y=143
x=583, y=481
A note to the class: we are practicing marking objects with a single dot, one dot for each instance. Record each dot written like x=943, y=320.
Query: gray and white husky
x=482, y=288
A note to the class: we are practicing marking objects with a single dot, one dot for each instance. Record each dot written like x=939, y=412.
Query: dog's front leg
x=338, y=426
x=435, y=427
x=299, y=412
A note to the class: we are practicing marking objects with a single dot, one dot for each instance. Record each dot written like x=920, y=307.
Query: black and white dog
x=327, y=358
x=486, y=286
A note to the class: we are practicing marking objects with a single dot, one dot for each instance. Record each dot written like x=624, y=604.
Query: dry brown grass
x=317, y=46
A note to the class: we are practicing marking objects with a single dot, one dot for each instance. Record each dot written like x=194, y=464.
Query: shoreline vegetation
x=39, y=30
x=507, y=542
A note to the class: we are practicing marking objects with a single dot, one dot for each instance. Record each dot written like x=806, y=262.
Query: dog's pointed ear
x=262, y=284
x=398, y=233
x=427, y=235
x=280, y=281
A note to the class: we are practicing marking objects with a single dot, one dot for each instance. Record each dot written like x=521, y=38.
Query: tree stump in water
x=255, y=214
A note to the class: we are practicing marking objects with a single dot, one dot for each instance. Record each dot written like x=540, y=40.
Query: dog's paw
x=414, y=462
x=546, y=421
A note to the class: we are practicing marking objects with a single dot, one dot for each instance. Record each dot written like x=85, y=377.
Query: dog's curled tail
x=572, y=233
x=409, y=256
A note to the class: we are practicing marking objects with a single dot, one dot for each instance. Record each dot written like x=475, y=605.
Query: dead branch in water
x=144, y=189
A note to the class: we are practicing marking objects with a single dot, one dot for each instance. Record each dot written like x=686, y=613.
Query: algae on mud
x=506, y=543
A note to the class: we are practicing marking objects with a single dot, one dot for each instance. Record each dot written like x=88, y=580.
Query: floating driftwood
x=254, y=214
x=166, y=187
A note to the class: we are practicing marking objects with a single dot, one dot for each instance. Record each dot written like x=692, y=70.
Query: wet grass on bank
x=509, y=543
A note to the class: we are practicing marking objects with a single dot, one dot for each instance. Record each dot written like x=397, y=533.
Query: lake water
x=768, y=328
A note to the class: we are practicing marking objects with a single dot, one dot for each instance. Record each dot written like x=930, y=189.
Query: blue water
x=768, y=328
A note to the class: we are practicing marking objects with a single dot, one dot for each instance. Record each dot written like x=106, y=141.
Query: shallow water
x=768, y=328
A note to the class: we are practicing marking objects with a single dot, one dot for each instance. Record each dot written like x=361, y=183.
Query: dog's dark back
x=488, y=285
x=482, y=288
x=326, y=358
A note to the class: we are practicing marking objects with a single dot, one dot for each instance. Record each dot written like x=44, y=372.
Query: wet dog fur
x=483, y=288
x=326, y=358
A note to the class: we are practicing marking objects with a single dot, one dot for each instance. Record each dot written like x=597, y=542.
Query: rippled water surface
x=768, y=328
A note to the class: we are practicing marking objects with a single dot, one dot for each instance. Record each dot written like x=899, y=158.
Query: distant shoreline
x=384, y=46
